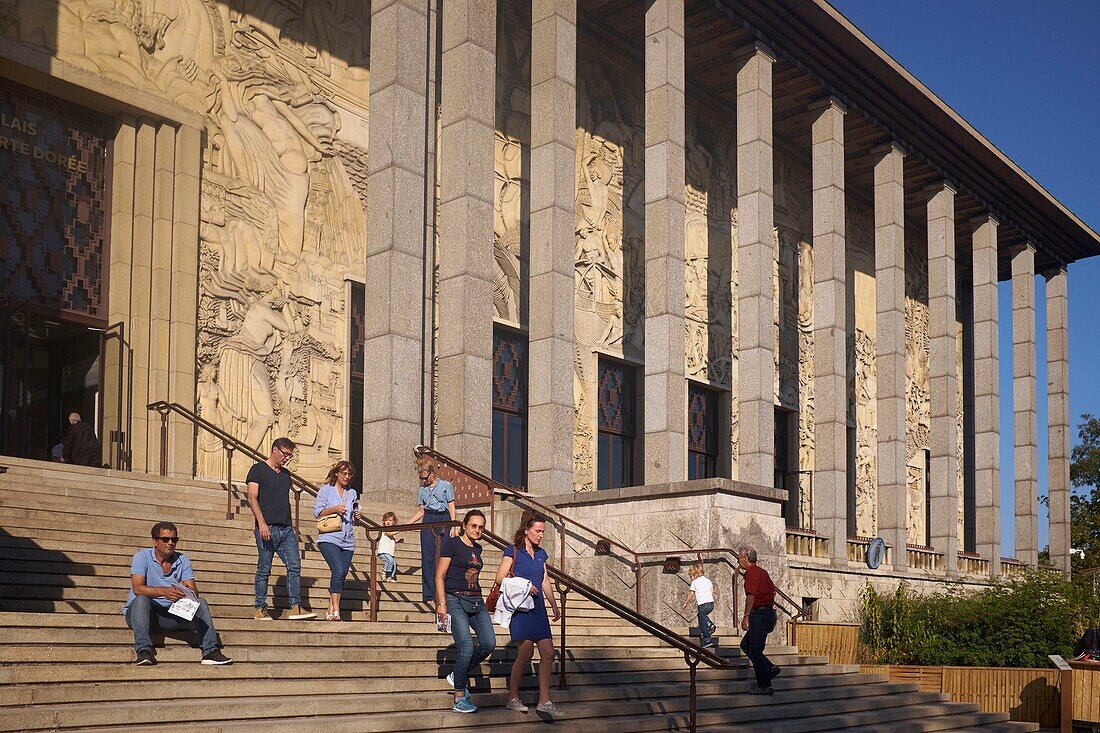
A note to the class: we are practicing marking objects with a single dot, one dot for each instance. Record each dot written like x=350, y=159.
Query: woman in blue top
x=434, y=503
x=337, y=547
x=527, y=560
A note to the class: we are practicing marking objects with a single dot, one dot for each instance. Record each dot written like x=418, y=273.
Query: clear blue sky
x=1026, y=74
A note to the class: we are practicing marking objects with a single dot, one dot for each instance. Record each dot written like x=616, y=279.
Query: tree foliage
x=1013, y=623
x=1084, y=473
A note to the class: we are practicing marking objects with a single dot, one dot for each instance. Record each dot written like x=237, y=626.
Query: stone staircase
x=66, y=655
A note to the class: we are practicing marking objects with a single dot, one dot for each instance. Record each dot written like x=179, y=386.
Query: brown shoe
x=261, y=615
x=297, y=613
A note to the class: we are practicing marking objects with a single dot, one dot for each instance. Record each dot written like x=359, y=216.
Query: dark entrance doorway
x=50, y=367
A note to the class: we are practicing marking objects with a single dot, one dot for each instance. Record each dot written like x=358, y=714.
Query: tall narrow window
x=702, y=432
x=617, y=426
x=509, y=407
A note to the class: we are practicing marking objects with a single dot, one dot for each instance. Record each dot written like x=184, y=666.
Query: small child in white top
x=387, y=547
x=703, y=591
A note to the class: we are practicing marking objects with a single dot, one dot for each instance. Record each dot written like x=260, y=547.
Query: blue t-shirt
x=145, y=563
x=464, y=573
x=436, y=498
x=328, y=496
x=527, y=567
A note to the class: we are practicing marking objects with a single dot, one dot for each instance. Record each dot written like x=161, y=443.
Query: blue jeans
x=761, y=622
x=339, y=562
x=389, y=564
x=428, y=550
x=704, y=621
x=469, y=613
x=144, y=614
x=285, y=544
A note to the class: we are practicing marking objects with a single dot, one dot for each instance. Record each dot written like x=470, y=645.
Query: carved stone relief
x=918, y=405
x=512, y=147
x=794, y=318
x=284, y=93
x=610, y=208
x=864, y=390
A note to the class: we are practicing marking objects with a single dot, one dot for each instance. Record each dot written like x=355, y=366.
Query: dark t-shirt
x=758, y=584
x=464, y=572
x=274, y=494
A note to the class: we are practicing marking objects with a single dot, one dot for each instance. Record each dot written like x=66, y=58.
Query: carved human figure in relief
x=242, y=371
x=273, y=131
x=599, y=253
x=213, y=405
x=507, y=227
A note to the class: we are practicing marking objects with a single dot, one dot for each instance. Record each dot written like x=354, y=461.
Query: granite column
x=553, y=223
x=893, y=471
x=987, y=411
x=466, y=232
x=396, y=215
x=1024, y=403
x=942, y=315
x=1058, y=437
x=830, y=485
x=665, y=384
x=755, y=256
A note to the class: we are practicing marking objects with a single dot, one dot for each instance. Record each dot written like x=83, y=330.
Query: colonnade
x=399, y=169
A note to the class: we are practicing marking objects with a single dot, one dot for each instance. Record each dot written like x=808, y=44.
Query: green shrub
x=1013, y=623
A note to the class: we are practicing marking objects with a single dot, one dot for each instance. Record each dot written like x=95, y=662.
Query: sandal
x=333, y=616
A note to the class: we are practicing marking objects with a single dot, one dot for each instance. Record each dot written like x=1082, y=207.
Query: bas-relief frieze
x=794, y=316
x=710, y=223
x=284, y=92
x=918, y=405
x=863, y=390
x=512, y=148
x=610, y=209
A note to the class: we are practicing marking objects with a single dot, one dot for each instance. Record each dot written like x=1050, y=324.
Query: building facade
x=578, y=246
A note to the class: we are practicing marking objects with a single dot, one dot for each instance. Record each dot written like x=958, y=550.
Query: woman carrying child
x=525, y=559
x=703, y=591
x=458, y=588
x=337, y=547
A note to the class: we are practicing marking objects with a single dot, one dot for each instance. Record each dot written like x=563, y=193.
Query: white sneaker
x=549, y=708
x=515, y=704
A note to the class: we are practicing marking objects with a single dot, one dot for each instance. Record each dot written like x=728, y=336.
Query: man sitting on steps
x=154, y=574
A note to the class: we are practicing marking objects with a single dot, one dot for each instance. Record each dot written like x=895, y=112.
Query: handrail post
x=229, y=481
x=492, y=509
x=373, y=575
x=164, y=443
x=563, y=591
x=297, y=514
x=692, y=663
x=637, y=584
x=561, y=539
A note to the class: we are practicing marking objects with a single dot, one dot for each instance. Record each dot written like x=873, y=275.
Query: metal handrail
x=497, y=487
x=231, y=444
x=693, y=653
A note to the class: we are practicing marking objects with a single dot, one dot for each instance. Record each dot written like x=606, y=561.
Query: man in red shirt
x=759, y=619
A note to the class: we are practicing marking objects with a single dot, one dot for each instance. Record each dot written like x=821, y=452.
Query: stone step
x=432, y=712
x=116, y=680
x=894, y=715
x=974, y=721
x=100, y=535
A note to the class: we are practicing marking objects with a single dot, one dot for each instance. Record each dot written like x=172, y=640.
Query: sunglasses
x=168, y=539
x=286, y=454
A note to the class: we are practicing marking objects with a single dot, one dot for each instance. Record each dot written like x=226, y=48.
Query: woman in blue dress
x=527, y=560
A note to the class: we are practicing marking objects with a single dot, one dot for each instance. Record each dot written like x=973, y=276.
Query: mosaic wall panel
x=54, y=203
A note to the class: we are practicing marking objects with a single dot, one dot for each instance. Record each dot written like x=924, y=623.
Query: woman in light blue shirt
x=337, y=547
x=435, y=503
